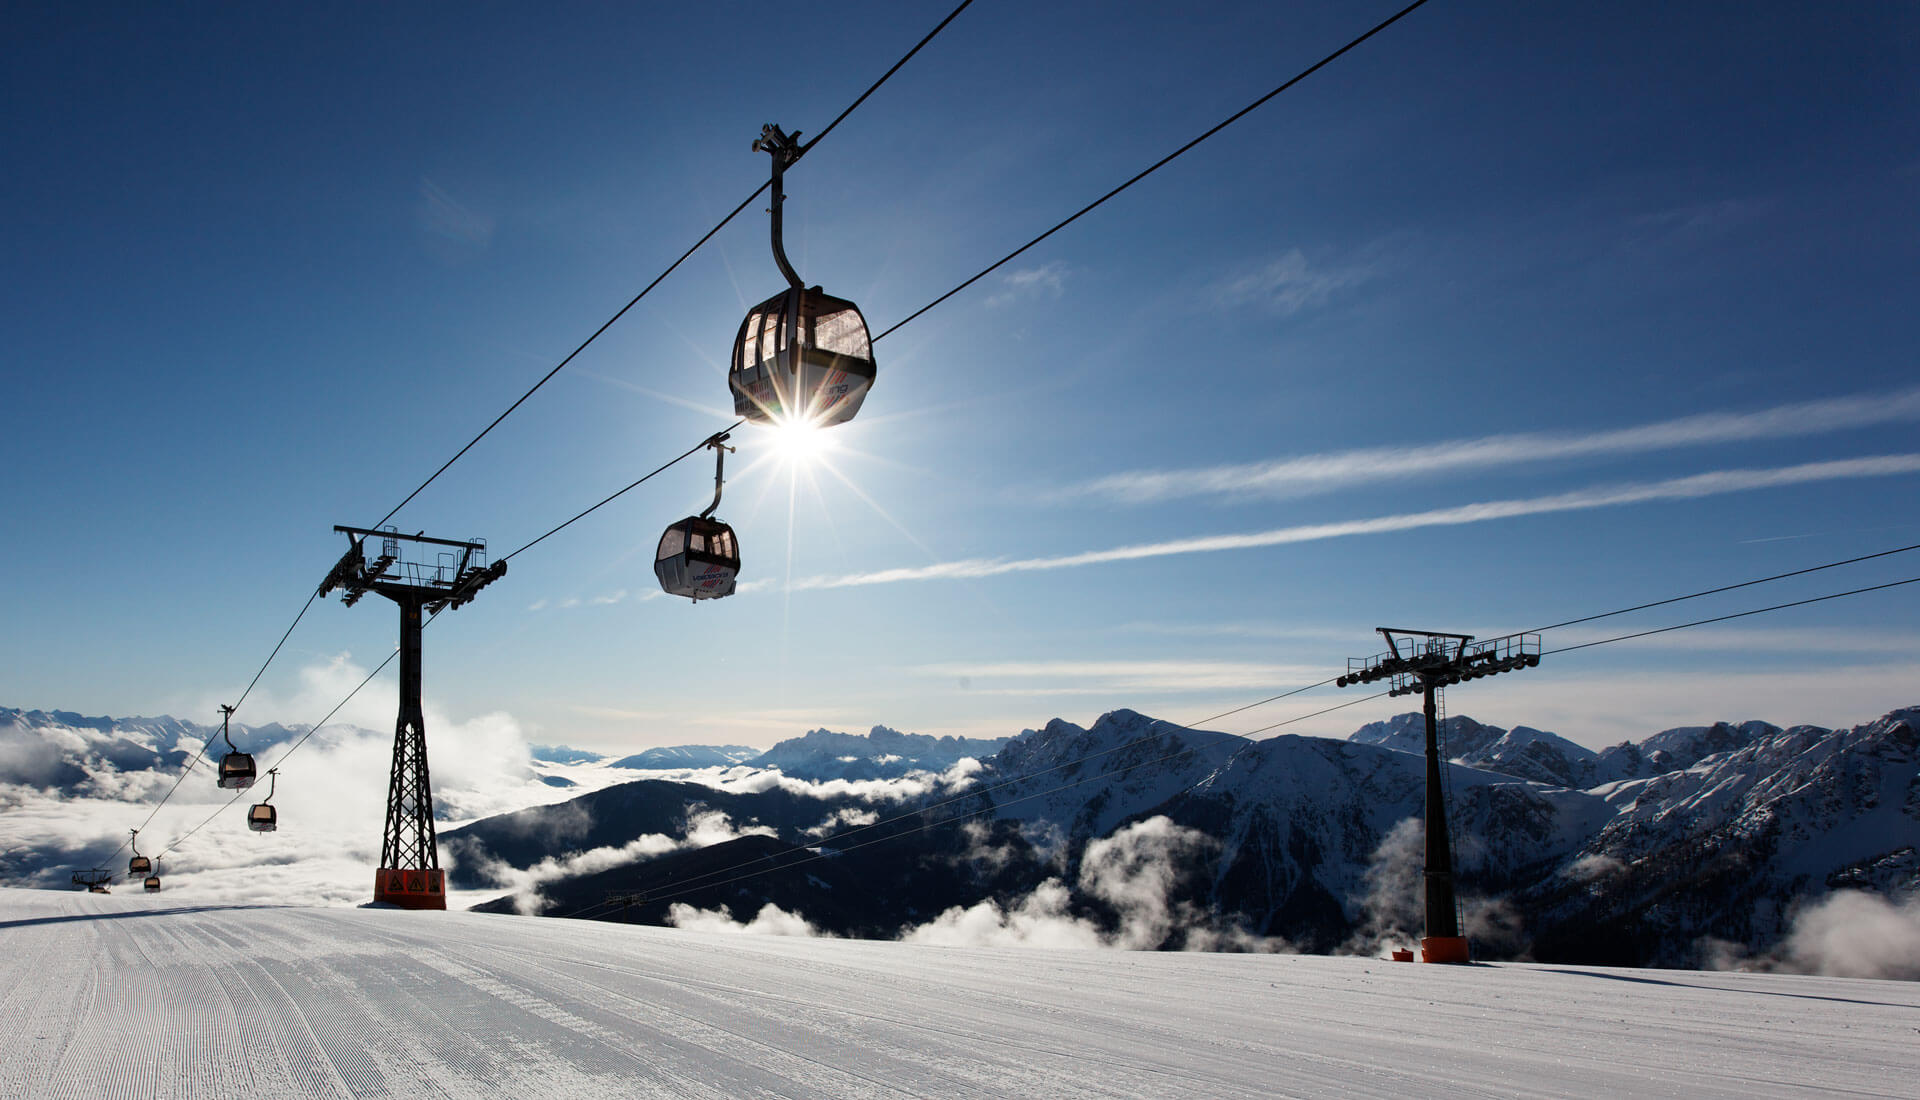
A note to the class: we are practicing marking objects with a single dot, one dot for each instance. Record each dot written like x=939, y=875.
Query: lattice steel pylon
x=1421, y=662
x=409, y=875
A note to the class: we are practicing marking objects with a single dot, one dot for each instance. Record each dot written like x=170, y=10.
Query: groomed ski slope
x=137, y=996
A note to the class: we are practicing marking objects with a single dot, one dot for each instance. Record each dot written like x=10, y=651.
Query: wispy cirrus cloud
x=1288, y=283
x=1306, y=475
x=1696, y=486
x=1708, y=218
x=1047, y=280
x=454, y=229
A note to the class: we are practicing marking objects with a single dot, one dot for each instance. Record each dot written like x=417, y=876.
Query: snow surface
x=141, y=996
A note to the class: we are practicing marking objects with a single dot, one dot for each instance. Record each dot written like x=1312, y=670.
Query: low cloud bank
x=331, y=797
x=1847, y=934
x=1392, y=903
x=743, y=780
x=1135, y=872
x=770, y=921
x=704, y=828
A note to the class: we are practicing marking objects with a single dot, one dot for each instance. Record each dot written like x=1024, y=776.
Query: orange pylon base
x=410, y=889
x=1444, y=949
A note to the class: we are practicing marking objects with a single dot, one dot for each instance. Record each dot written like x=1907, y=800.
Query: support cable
x=884, y=77
x=1725, y=588
x=1157, y=165
x=635, y=300
x=1735, y=615
x=622, y=492
x=658, y=279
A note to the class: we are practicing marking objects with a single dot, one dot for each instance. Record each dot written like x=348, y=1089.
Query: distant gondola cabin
x=236, y=771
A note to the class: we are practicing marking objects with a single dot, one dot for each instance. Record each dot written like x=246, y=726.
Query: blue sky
x=1641, y=278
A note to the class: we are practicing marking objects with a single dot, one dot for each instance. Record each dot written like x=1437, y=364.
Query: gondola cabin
x=698, y=558
x=263, y=818
x=153, y=884
x=802, y=356
x=139, y=865
x=236, y=771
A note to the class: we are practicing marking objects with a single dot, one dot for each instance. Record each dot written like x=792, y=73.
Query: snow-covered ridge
x=687, y=756
x=882, y=753
x=1549, y=758
x=65, y=751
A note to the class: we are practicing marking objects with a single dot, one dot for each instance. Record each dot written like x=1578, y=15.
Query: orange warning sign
x=411, y=887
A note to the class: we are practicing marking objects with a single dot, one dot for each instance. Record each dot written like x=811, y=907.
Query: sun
x=798, y=442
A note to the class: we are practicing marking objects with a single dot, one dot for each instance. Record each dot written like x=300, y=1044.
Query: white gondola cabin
x=699, y=558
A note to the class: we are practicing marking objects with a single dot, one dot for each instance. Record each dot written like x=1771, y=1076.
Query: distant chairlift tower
x=1422, y=662
x=409, y=875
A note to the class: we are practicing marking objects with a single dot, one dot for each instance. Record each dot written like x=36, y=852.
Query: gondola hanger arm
x=719, y=444
x=785, y=149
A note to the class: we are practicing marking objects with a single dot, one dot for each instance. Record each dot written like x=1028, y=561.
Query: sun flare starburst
x=798, y=442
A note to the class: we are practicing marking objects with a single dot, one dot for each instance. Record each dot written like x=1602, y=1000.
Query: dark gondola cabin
x=153, y=884
x=236, y=768
x=139, y=865
x=802, y=356
x=236, y=771
x=263, y=818
x=698, y=558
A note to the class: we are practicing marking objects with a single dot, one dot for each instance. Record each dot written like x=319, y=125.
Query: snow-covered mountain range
x=880, y=754
x=687, y=756
x=1694, y=845
x=71, y=753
